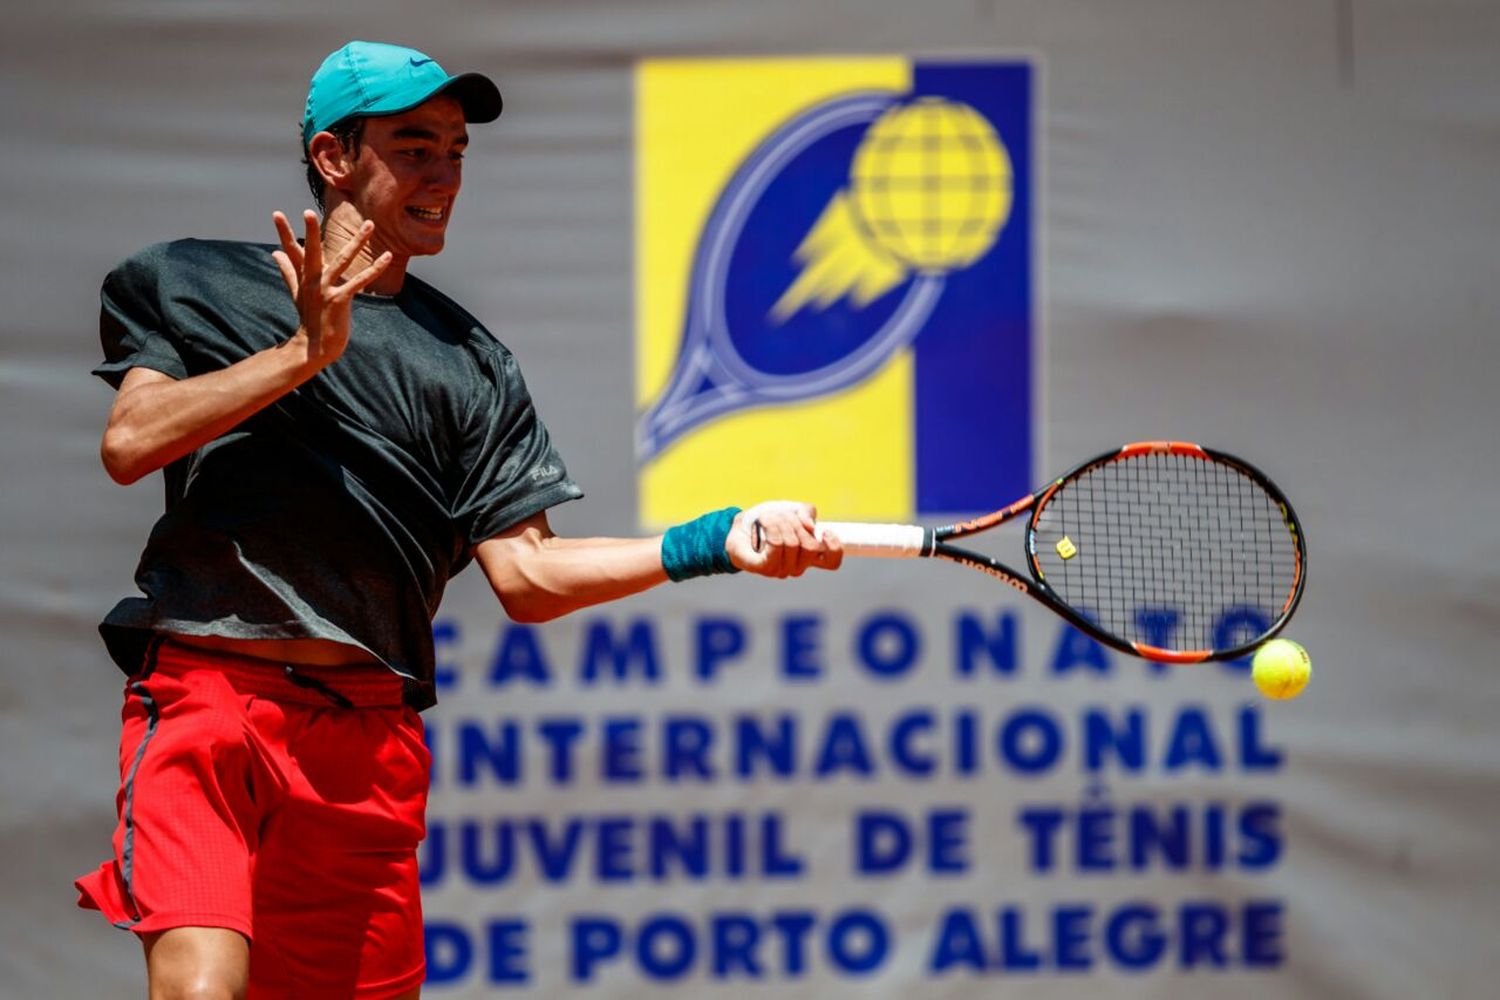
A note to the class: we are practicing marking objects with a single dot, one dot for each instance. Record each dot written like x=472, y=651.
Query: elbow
x=531, y=608
x=121, y=457
x=528, y=601
x=525, y=580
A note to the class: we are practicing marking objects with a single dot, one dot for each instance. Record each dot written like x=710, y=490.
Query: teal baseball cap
x=373, y=78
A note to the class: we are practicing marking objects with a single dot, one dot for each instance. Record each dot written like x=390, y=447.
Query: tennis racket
x=1162, y=549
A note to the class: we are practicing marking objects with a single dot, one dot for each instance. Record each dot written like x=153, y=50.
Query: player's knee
x=206, y=985
x=198, y=964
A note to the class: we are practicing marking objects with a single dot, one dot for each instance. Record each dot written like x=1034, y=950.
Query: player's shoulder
x=192, y=254
x=457, y=320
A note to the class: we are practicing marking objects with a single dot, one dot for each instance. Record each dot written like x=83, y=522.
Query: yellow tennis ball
x=1281, y=669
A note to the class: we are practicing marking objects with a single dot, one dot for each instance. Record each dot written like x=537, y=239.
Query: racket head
x=1170, y=550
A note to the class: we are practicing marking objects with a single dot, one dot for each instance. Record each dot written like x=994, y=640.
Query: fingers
x=348, y=251
x=288, y=239
x=302, y=265
x=785, y=541
x=289, y=257
x=312, y=247
x=772, y=548
x=813, y=549
x=374, y=270
x=803, y=549
x=288, y=271
x=831, y=554
x=322, y=294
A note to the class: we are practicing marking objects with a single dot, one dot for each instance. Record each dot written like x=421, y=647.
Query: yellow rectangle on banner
x=697, y=122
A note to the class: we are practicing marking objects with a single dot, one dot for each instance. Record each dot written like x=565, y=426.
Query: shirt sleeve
x=131, y=329
x=511, y=469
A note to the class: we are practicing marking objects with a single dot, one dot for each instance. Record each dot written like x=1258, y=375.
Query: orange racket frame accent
x=1038, y=587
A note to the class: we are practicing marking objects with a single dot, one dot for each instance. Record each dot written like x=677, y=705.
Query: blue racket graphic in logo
x=839, y=305
x=902, y=192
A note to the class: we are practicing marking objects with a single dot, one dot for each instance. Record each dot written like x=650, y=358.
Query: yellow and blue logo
x=834, y=285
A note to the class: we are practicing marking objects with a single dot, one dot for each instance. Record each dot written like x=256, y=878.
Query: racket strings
x=1169, y=550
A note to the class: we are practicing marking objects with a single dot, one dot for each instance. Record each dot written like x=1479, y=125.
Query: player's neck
x=339, y=229
x=390, y=281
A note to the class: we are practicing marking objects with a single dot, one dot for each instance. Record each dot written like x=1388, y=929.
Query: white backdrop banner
x=905, y=261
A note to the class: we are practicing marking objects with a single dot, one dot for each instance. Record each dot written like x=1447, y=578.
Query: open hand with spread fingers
x=324, y=295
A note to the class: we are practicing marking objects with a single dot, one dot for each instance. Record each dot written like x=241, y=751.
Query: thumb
x=745, y=546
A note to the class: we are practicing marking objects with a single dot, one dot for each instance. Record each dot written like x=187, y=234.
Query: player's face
x=408, y=173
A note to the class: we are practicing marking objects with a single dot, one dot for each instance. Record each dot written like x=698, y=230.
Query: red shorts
x=252, y=802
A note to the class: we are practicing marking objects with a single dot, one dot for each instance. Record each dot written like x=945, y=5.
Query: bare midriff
x=307, y=652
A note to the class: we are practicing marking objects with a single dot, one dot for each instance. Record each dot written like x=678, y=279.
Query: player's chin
x=428, y=245
x=424, y=239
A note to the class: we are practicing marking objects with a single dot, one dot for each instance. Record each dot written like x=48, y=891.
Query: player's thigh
x=334, y=925
x=336, y=884
x=199, y=962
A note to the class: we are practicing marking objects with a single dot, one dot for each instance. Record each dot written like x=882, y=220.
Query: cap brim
x=477, y=93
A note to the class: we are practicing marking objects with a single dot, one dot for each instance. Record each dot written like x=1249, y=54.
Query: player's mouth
x=429, y=215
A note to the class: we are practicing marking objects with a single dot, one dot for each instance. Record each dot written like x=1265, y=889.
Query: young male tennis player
x=332, y=457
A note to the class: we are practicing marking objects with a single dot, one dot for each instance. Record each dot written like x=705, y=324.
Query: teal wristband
x=696, y=548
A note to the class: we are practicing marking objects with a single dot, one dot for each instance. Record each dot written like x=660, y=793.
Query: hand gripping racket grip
x=886, y=541
x=880, y=541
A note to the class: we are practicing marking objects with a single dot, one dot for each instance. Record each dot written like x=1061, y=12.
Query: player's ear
x=332, y=159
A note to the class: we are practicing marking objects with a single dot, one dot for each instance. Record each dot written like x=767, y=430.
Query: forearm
x=541, y=576
x=538, y=576
x=157, y=420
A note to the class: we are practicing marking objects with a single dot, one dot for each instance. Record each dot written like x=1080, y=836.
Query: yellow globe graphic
x=932, y=184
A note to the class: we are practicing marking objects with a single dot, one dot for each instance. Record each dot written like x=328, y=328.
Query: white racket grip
x=886, y=541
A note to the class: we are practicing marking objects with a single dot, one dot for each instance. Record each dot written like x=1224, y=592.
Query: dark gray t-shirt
x=341, y=510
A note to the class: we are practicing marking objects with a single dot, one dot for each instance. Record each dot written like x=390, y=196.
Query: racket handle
x=888, y=541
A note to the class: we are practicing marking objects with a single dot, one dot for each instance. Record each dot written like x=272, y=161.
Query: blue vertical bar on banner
x=973, y=362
